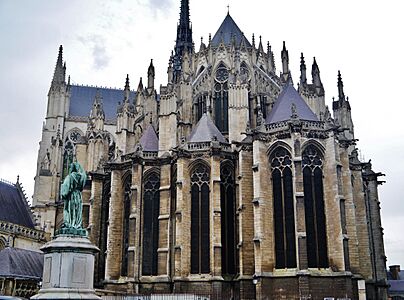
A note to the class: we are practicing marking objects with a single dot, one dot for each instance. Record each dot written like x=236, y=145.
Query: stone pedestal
x=68, y=269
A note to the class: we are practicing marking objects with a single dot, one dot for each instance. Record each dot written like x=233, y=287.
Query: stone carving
x=73, y=205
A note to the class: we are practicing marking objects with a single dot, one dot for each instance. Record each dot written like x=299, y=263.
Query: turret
x=97, y=115
x=97, y=148
x=150, y=76
x=125, y=121
x=342, y=111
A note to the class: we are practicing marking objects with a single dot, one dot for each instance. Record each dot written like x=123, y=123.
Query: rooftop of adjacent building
x=395, y=279
x=14, y=205
x=20, y=263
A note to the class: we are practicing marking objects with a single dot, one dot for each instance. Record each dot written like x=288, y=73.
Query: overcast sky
x=104, y=40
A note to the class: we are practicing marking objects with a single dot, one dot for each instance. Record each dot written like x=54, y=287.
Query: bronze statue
x=71, y=190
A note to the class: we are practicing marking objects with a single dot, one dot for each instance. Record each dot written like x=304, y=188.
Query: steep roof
x=227, y=31
x=282, y=109
x=82, y=100
x=13, y=206
x=205, y=131
x=150, y=140
x=21, y=263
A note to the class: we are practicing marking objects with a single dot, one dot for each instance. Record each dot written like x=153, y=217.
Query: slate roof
x=13, y=206
x=282, y=109
x=205, y=130
x=21, y=263
x=82, y=99
x=226, y=31
x=149, y=140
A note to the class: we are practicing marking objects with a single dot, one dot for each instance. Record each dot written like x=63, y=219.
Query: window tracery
x=200, y=229
x=316, y=235
x=151, y=211
x=228, y=219
x=126, y=216
x=284, y=220
x=221, y=92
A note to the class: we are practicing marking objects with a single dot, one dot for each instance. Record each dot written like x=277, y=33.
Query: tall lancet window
x=228, y=214
x=200, y=106
x=125, y=228
x=151, y=211
x=284, y=213
x=200, y=234
x=314, y=208
x=222, y=98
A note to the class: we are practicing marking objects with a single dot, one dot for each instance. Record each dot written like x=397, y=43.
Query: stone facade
x=229, y=182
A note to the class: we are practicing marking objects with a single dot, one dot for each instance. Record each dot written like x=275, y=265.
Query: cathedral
x=233, y=181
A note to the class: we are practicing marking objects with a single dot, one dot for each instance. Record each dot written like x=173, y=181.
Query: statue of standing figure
x=71, y=190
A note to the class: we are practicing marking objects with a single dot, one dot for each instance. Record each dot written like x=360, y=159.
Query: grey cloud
x=98, y=49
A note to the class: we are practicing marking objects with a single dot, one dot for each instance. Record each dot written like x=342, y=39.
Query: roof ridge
x=100, y=87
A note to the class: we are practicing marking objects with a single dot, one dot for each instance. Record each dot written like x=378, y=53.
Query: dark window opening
x=228, y=218
x=314, y=208
x=200, y=229
x=125, y=229
x=151, y=210
x=221, y=92
x=284, y=215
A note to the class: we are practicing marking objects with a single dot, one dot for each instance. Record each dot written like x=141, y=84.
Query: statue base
x=68, y=269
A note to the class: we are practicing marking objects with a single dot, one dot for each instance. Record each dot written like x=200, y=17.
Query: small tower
x=342, y=111
x=125, y=122
x=97, y=148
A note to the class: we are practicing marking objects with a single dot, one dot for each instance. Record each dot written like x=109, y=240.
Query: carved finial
x=18, y=179
x=253, y=40
x=228, y=9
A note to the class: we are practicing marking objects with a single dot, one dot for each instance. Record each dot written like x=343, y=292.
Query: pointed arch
x=151, y=212
x=320, y=148
x=200, y=218
x=276, y=145
x=316, y=234
x=283, y=203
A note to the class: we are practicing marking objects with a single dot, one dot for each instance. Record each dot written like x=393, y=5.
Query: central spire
x=184, y=37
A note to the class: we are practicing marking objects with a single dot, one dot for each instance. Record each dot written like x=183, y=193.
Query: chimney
x=395, y=272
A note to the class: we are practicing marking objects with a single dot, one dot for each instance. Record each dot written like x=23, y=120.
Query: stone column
x=246, y=223
x=134, y=223
x=94, y=228
x=164, y=218
x=331, y=205
x=349, y=211
x=114, y=248
x=215, y=221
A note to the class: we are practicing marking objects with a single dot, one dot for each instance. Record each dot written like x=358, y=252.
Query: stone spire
x=303, y=77
x=285, y=59
x=127, y=89
x=59, y=75
x=315, y=73
x=150, y=76
x=271, y=59
x=341, y=95
x=184, y=37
